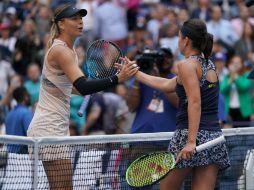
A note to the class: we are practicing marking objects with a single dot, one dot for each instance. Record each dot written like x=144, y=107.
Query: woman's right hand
x=127, y=69
x=187, y=152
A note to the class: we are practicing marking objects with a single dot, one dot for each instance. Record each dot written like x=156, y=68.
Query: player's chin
x=79, y=33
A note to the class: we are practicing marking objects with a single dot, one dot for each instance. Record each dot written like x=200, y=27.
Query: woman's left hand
x=187, y=152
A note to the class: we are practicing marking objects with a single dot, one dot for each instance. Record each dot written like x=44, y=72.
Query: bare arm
x=64, y=58
x=187, y=72
x=159, y=83
x=189, y=78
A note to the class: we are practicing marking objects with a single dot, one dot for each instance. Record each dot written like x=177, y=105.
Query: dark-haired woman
x=197, y=87
x=62, y=76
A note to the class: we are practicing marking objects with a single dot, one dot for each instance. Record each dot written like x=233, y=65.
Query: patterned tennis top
x=209, y=100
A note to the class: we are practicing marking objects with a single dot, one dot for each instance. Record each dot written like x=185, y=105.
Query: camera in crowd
x=148, y=57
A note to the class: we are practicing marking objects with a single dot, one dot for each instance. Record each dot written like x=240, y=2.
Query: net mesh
x=100, y=162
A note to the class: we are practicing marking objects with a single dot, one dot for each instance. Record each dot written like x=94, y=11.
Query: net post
x=249, y=170
x=36, y=161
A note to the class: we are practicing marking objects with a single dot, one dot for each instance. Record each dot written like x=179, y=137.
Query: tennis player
x=197, y=87
x=60, y=73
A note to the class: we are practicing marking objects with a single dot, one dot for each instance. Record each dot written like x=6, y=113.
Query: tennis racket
x=151, y=168
x=100, y=59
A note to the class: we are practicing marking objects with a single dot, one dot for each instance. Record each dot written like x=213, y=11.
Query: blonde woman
x=61, y=76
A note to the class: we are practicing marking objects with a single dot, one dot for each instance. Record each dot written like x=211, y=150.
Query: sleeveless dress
x=52, y=113
x=209, y=128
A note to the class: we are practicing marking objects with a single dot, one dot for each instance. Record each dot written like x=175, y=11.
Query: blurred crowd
x=133, y=25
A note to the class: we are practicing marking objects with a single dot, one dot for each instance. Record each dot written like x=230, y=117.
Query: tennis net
x=100, y=162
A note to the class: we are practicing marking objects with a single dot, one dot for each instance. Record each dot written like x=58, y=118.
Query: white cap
x=11, y=10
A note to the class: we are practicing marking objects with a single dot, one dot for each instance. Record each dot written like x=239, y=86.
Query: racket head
x=149, y=169
x=100, y=59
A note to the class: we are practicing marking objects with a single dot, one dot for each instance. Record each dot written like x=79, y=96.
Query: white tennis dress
x=52, y=113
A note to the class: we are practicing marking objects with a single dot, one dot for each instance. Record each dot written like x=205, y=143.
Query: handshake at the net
x=126, y=69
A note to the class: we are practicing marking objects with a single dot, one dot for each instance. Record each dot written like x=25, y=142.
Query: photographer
x=148, y=102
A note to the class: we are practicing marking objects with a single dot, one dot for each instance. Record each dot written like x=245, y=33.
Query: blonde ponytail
x=54, y=33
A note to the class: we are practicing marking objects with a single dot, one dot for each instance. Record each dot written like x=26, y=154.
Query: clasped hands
x=127, y=69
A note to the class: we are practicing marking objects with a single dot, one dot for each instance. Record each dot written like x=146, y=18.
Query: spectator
x=110, y=23
x=125, y=117
x=182, y=16
x=221, y=29
x=221, y=112
x=178, y=5
x=32, y=84
x=220, y=61
x=114, y=112
x=19, y=118
x=13, y=18
x=6, y=72
x=221, y=69
x=202, y=11
x=245, y=45
x=15, y=81
x=6, y=39
x=132, y=12
x=28, y=9
x=94, y=115
x=138, y=40
x=26, y=48
x=169, y=38
x=158, y=14
x=238, y=23
x=236, y=89
x=42, y=21
x=235, y=8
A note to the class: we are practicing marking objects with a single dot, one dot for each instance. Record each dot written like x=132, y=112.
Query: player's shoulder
x=61, y=52
x=187, y=63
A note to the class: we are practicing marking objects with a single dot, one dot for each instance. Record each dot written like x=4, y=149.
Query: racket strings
x=150, y=169
x=101, y=57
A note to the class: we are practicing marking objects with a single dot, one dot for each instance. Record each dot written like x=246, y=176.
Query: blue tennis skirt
x=217, y=155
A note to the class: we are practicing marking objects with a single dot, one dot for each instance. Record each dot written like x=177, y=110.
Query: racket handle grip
x=83, y=106
x=211, y=143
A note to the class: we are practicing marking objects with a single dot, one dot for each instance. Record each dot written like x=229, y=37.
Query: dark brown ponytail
x=207, y=46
